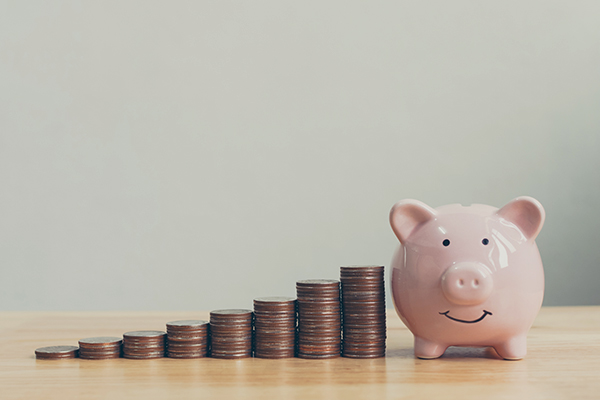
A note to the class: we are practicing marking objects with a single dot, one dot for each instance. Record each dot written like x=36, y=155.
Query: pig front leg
x=427, y=349
x=514, y=348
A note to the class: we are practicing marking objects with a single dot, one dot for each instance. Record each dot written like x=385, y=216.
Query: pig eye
x=485, y=241
x=446, y=242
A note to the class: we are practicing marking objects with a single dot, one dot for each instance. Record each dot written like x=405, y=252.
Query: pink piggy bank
x=468, y=276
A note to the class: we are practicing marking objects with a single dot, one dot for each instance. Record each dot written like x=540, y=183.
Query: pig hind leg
x=514, y=348
x=428, y=349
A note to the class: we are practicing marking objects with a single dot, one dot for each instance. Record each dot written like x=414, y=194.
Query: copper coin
x=276, y=356
x=141, y=335
x=187, y=339
x=275, y=299
x=143, y=357
x=187, y=324
x=318, y=291
x=276, y=324
x=317, y=356
x=311, y=303
x=239, y=350
x=274, y=311
x=232, y=312
x=345, y=277
x=107, y=356
x=143, y=344
x=129, y=349
x=362, y=268
x=231, y=332
x=101, y=341
x=173, y=342
x=143, y=352
x=364, y=356
x=187, y=346
x=194, y=350
x=275, y=318
x=186, y=356
x=233, y=353
x=288, y=324
x=231, y=356
x=317, y=282
x=279, y=351
x=95, y=351
x=274, y=333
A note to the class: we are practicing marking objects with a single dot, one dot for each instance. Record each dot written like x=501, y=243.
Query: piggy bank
x=468, y=276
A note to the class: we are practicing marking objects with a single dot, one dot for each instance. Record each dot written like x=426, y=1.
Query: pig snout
x=467, y=283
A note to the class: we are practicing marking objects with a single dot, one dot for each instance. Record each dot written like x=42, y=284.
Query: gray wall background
x=195, y=155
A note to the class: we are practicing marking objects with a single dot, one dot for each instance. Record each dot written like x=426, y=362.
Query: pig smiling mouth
x=485, y=314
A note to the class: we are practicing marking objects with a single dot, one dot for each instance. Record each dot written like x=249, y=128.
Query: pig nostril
x=476, y=283
x=461, y=282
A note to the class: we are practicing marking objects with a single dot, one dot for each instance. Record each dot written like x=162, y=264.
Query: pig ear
x=406, y=215
x=526, y=213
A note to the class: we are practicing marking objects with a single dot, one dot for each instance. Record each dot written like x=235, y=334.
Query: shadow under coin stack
x=231, y=333
x=100, y=348
x=275, y=327
x=187, y=339
x=144, y=344
x=363, y=306
x=319, y=321
x=56, y=352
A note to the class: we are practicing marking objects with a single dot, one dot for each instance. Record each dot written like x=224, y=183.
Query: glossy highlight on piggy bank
x=468, y=276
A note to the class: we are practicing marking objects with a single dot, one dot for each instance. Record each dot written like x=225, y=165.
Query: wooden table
x=563, y=362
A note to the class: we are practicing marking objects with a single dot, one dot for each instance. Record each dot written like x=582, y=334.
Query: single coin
x=101, y=341
x=143, y=335
x=317, y=356
x=317, y=282
x=108, y=356
x=361, y=267
x=186, y=356
x=232, y=312
x=274, y=299
x=187, y=323
x=143, y=357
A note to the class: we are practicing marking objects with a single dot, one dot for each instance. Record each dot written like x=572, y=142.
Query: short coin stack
x=363, y=306
x=231, y=333
x=275, y=327
x=144, y=344
x=56, y=352
x=187, y=339
x=319, y=321
x=100, y=348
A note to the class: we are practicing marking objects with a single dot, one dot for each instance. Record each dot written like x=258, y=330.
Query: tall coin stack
x=274, y=327
x=363, y=306
x=100, y=348
x=319, y=320
x=144, y=344
x=187, y=339
x=231, y=333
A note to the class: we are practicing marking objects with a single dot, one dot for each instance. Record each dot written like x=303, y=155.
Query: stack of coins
x=187, y=339
x=275, y=327
x=144, y=344
x=231, y=333
x=56, y=352
x=100, y=348
x=363, y=306
x=319, y=322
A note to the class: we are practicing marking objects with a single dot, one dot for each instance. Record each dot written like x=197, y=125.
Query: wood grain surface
x=563, y=362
